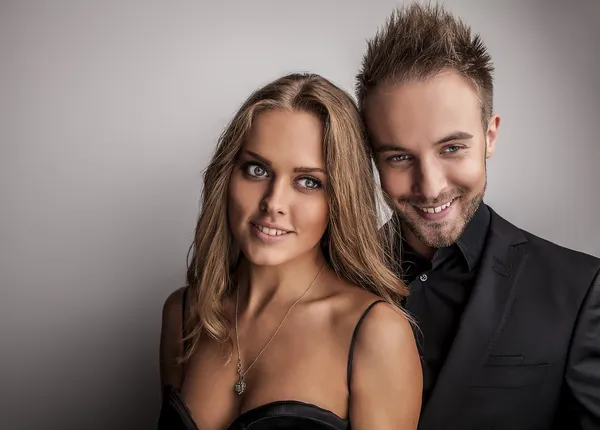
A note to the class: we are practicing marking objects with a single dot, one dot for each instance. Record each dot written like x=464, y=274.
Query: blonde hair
x=418, y=41
x=352, y=244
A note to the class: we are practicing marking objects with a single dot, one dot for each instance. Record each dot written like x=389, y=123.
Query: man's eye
x=451, y=148
x=398, y=158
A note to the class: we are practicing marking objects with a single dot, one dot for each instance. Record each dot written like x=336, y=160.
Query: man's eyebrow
x=388, y=148
x=457, y=135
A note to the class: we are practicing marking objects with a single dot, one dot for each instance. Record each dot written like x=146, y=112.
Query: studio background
x=109, y=111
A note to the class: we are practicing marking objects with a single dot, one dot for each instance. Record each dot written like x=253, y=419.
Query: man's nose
x=430, y=179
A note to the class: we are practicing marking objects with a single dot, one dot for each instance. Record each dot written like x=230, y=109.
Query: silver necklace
x=240, y=385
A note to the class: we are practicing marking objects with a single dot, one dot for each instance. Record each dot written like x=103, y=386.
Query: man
x=509, y=324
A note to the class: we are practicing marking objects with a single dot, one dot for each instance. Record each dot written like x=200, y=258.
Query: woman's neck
x=282, y=284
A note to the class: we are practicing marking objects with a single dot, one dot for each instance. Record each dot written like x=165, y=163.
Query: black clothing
x=526, y=352
x=439, y=291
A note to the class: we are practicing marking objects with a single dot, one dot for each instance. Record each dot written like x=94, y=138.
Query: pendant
x=240, y=385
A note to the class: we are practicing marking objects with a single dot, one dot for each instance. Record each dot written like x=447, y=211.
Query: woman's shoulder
x=383, y=349
x=362, y=300
x=170, y=339
x=359, y=307
x=173, y=305
x=379, y=318
x=172, y=314
x=383, y=322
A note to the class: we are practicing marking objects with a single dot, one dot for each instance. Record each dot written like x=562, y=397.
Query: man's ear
x=491, y=135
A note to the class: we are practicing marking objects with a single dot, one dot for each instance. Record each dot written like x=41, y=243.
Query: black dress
x=282, y=415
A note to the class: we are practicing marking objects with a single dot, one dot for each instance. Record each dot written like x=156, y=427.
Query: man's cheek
x=394, y=184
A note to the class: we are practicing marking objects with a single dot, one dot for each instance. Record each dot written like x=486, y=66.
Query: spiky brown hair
x=418, y=41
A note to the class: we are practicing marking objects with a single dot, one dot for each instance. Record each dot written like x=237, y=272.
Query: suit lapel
x=481, y=322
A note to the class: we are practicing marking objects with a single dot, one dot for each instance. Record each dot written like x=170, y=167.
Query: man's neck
x=419, y=247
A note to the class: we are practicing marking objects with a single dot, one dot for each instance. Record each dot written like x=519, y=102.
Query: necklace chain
x=240, y=385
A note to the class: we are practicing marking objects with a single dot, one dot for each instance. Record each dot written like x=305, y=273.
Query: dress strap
x=353, y=341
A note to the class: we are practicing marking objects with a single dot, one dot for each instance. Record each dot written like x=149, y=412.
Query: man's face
x=431, y=149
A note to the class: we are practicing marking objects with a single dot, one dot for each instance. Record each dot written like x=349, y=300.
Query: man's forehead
x=394, y=119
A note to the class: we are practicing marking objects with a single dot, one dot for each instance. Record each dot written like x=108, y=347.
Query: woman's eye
x=309, y=183
x=256, y=170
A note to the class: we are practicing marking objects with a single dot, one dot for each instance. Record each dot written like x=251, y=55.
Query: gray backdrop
x=109, y=111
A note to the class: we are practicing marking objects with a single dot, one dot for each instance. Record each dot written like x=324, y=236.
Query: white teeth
x=437, y=209
x=270, y=231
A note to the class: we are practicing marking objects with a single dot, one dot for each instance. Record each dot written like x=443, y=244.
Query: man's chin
x=440, y=241
x=437, y=237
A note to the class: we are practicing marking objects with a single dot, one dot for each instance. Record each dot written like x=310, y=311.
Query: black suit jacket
x=527, y=353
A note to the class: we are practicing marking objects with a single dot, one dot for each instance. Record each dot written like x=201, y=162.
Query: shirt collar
x=472, y=241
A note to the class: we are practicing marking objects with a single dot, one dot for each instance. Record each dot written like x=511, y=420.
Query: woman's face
x=277, y=203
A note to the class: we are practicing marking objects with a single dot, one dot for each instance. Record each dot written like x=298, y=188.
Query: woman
x=289, y=319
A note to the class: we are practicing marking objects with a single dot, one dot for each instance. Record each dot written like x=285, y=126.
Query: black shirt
x=439, y=291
